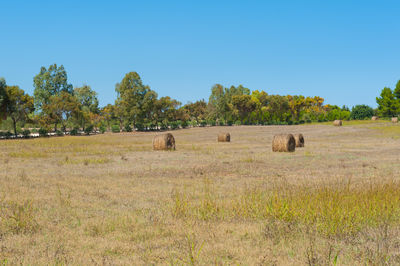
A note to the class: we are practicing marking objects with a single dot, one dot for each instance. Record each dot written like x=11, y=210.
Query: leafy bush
x=361, y=112
x=212, y=123
x=290, y=122
x=26, y=133
x=43, y=132
x=203, y=123
x=89, y=129
x=308, y=121
x=8, y=134
x=221, y=122
x=238, y=123
x=102, y=129
x=173, y=125
x=59, y=133
x=74, y=132
x=115, y=129
x=184, y=124
x=127, y=128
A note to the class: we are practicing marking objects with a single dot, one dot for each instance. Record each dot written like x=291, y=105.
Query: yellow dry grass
x=110, y=199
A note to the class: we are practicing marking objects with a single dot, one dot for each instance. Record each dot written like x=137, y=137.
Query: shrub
x=59, y=133
x=203, y=123
x=290, y=122
x=74, y=132
x=127, y=128
x=26, y=133
x=238, y=123
x=184, y=124
x=115, y=129
x=173, y=125
x=8, y=134
x=102, y=129
x=89, y=129
x=361, y=112
x=139, y=127
x=221, y=122
x=212, y=123
x=308, y=121
x=43, y=132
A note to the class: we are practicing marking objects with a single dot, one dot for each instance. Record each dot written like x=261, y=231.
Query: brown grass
x=283, y=143
x=110, y=200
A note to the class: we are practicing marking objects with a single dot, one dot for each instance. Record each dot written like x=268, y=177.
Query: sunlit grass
x=329, y=210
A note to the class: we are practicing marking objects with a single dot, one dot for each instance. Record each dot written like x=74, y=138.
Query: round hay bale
x=164, y=142
x=283, y=143
x=395, y=119
x=374, y=118
x=338, y=123
x=299, y=140
x=224, y=137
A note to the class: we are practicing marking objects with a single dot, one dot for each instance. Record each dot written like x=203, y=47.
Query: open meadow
x=111, y=200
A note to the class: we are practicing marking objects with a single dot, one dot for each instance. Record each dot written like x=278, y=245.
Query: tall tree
x=19, y=105
x=196, y=110
x=89, y=105
x=132, y=98
x=60, y=108
x=87, y=98
x=397, y=90
x=244, y=105
x=388, y=105
x=50, y=82
x=3, y=99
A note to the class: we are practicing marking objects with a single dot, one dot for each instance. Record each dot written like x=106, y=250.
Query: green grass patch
x=329, y=210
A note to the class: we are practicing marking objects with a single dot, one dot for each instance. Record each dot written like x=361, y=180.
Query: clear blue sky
x=343, y=51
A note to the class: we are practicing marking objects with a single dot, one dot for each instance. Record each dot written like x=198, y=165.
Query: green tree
x=397, y=91
x=166, y=110
x=278, y=107
x=296, y=105
x=388, y=105
x=244, y=105
x=60, y=108
x=89, y=105
x=87, y=98
x=360, y=112
x=50, y=82
x=108, y=114
x=196, y=110
x=217, y=103
x=19, y=105
x=133, y=98
x=3, y=99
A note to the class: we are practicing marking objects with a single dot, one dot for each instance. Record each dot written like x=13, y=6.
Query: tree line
x=59, y=107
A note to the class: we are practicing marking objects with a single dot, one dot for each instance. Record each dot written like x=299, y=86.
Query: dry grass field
x=111, y=200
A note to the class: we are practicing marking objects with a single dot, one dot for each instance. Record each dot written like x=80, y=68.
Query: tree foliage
x=388, y=104
x=360, y=112
x=18, y=105
x=50, y=82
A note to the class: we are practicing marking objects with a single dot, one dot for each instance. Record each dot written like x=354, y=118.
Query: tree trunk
x=15, y=127
x=55, y=127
